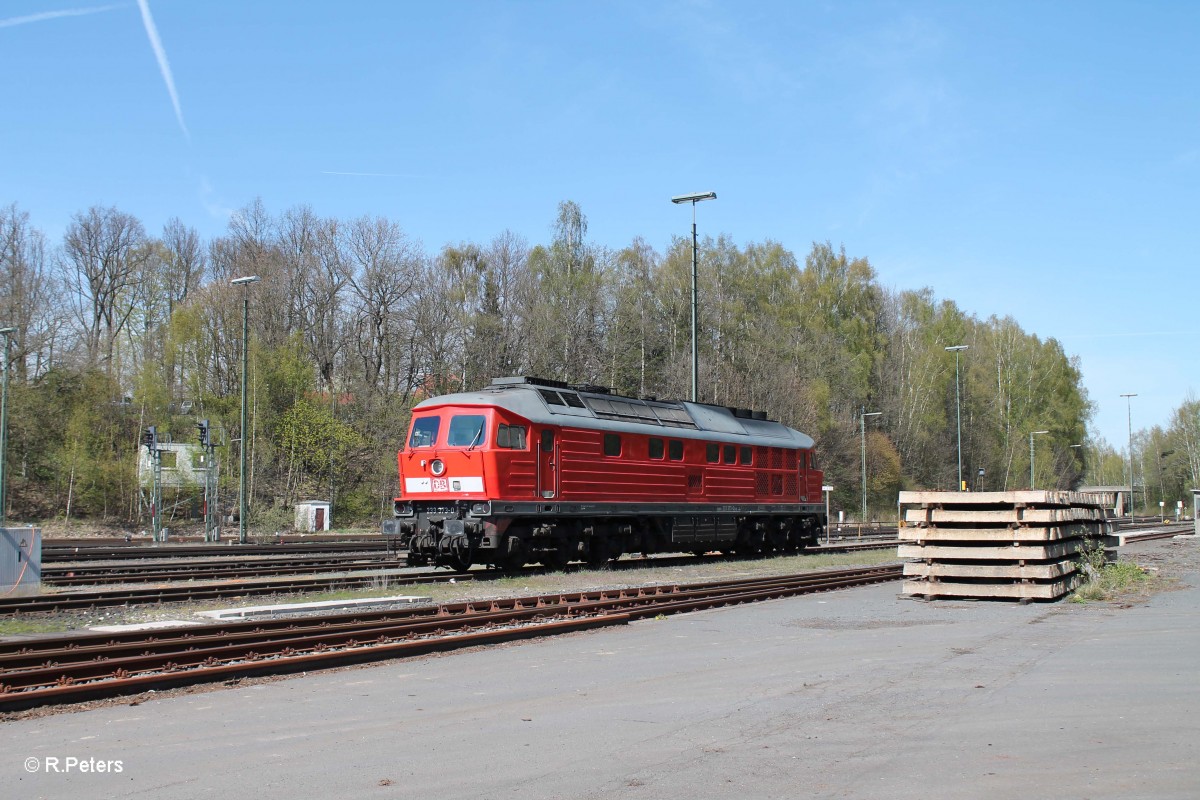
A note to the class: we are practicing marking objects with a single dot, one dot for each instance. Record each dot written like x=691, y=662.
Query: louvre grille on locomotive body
x=533, y=470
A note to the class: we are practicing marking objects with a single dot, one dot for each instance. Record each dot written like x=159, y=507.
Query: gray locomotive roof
x=713, y=423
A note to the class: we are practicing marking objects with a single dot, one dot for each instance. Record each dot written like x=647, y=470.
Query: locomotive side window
x=467, y=430
x=656, y=448
x=747, y=456
x=675, y=450
x=511, y=437
x=547, y=441
x=424, y=432
x=812, y=460
x=712, y=453
x=612, y=444
x=730, y=453
x=551, y=398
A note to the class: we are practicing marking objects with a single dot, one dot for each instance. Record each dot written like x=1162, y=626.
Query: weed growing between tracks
x=16, y=627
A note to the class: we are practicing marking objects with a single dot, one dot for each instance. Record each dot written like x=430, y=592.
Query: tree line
x=354, y=321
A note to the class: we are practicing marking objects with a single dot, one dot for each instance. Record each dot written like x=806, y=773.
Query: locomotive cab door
x=548, y=465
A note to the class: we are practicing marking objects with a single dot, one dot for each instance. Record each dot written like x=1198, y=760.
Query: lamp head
x=244, y=281
x=958, y=348
x=694, y=198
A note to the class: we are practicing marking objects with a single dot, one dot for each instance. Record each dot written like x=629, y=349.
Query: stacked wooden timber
x=1007, y=545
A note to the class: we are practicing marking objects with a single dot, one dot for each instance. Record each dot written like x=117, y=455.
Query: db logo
x=441, y=485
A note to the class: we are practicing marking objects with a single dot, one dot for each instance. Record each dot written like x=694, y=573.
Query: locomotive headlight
x=437, y=467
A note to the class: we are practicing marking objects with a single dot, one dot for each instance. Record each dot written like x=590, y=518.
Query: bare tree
x=184, y=261
x=384, y=265
x=25, y=294
x=104, y=251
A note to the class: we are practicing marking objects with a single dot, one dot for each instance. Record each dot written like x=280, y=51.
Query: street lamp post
x=693, y=199
x=862, y=421
x=826, y=489
x=956, y=349
x=1129, y=421
x=1078, y=448
x=7, y=334
x=245, y=284
x=1031, y=435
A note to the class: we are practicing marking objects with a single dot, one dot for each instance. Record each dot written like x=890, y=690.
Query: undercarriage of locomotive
x=457, y=537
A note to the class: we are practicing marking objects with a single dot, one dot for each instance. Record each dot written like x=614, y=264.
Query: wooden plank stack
x=1019, y=545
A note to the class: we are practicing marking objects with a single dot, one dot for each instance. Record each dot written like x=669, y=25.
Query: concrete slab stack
x=1005, y=545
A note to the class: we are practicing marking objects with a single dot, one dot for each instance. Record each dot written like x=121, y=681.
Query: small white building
x=312, y=515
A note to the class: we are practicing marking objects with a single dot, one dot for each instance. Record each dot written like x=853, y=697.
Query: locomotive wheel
x=458, y=563
x=510, y=563
x=777, y=541
x=556, y=561
x=598, y=553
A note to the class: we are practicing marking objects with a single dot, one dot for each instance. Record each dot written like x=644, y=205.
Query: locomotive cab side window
x=424, y=432
x=511, y=437
x=675, y=450
x=467, y=430
x=612, y=444
x=712, y=453
x=547, y=441
x=656, y=447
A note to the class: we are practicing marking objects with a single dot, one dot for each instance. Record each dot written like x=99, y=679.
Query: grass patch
x=12, y=627
x=1114, y=580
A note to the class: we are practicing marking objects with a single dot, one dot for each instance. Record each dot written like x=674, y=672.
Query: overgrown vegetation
x=1112, y=581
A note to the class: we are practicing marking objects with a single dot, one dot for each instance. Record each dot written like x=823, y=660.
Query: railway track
x=179, y=585
x=1156, y=531
x=75, y=668
x=157, y=571
x=82, y=553
x=182, y=592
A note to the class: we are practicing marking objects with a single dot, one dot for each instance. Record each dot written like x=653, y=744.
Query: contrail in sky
x=45, y=15
x=371, y=174
x=163, y=66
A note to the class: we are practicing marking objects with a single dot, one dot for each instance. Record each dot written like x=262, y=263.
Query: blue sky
x=1033, y=159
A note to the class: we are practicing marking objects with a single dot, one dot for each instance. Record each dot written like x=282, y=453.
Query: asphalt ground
x=855, y=694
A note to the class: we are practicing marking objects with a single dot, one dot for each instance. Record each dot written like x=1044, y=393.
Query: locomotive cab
x=455, y=460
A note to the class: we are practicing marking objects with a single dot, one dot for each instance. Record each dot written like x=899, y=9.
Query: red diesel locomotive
x=533, y=470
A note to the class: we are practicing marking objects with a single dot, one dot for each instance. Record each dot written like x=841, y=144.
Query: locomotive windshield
x=424, y=432
x=467, y=430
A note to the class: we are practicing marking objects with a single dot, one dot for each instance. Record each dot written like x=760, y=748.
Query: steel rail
x=179, y=592
x=1169, y=531
x=107, y=553
x=87, y=670
x=188, y=590
x=86, y=646
x=154, y=573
